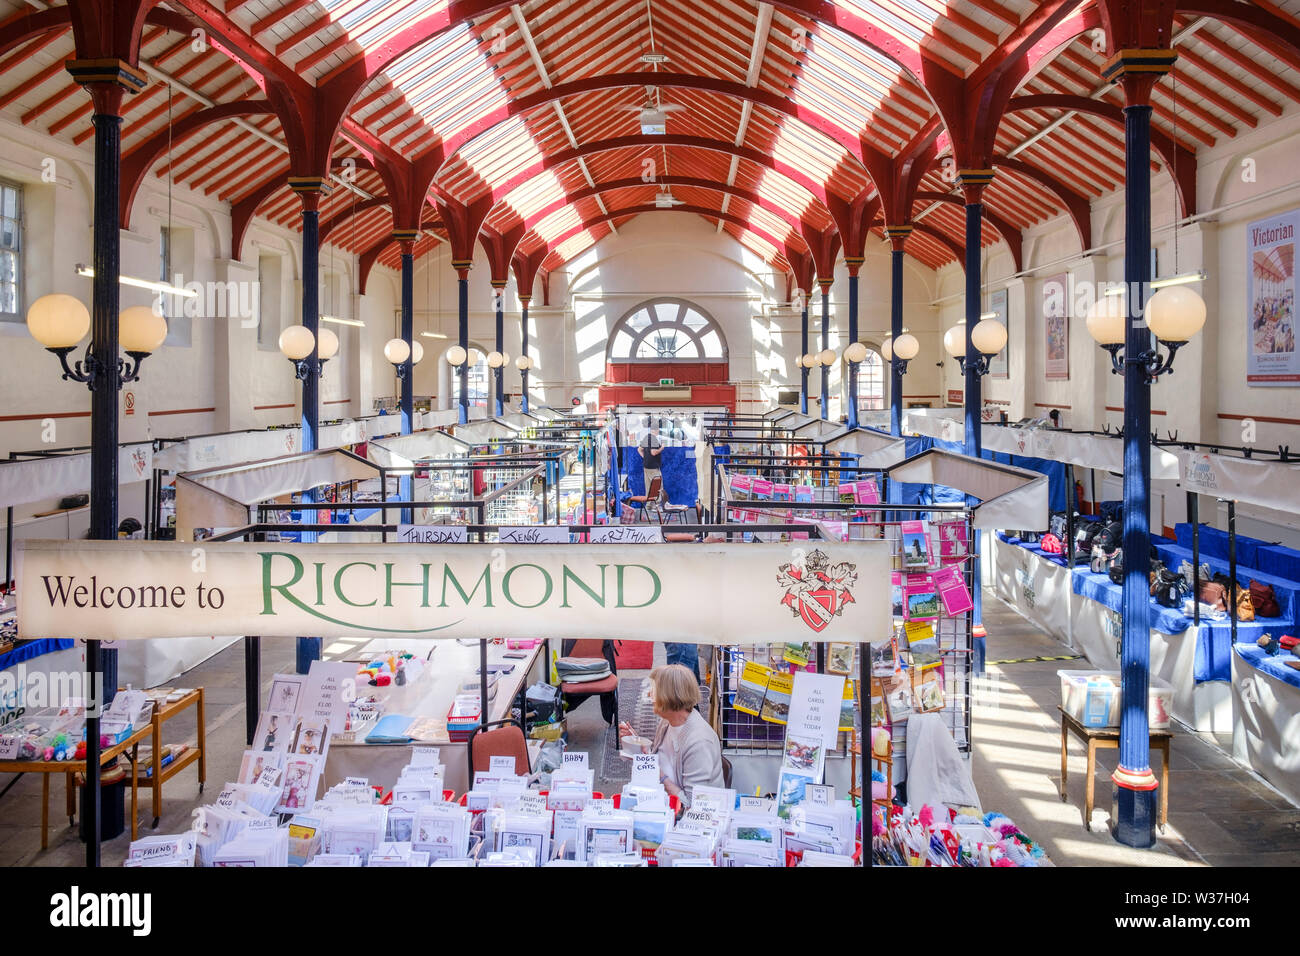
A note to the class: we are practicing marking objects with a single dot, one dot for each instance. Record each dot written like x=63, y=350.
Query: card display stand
x=160, y=774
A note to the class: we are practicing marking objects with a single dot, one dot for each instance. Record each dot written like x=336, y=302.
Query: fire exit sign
x=668, y=381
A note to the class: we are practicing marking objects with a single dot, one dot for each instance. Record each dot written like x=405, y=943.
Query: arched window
x=671, y=330
x=871, y=382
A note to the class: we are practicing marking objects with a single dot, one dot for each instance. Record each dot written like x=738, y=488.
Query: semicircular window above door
x=666, y=330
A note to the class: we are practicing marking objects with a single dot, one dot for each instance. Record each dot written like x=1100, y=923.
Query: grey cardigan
x=697, y=760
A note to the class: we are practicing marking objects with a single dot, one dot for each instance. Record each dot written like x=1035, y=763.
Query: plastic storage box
x=1093, y=698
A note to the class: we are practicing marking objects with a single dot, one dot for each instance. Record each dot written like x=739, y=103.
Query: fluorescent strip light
x=1183, y=278
x=89, y=273
x=337, y=321
x=433, y=335
x=988, y=315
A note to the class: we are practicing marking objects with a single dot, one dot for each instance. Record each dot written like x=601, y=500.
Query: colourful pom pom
x=877, y=777
x=926, y=816
x=383, y=680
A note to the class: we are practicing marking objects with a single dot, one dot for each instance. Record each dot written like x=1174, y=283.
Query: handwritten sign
x=534, y=534
x=330, y=687
x=627, y=534
x=431, y=533
x=575, y=758
x=264, y=823
x=425, y=757
x=645, y=769
x=756, y=804
x=9, y=746
x=815, y=707
x=503, y=766
x=819, y=795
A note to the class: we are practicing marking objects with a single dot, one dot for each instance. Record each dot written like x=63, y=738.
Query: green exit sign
x=668, y=381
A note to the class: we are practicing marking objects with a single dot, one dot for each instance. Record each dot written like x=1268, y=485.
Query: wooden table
x=46, y=768
x=158, y=773
x=1107, y=738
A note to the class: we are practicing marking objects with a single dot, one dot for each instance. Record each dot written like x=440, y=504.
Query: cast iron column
x=803, y=350
x=826, y=343
x=106, y=81
x=406, y=242
x=499, y=373
x=973, y=182
x=1137, y=70
x=897, y=236
x=524, y=299
x=310, y=190
x=853, y=263
x=462, y=337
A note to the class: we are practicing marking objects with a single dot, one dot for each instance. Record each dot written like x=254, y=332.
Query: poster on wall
x=1056, y=327
x=999, y=365
x=1270, y=265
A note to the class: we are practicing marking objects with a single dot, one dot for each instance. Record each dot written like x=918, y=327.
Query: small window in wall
x=175, y=254
x=871, y=382
x=479, y=387
x=268, y=303
x=11, y=249
x=666, y=330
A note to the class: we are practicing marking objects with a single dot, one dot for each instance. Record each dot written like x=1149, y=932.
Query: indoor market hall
x=651, y=433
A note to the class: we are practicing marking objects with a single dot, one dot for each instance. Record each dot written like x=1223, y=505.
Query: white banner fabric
x=1270, y=484
x=712, y=594
x=41, y=479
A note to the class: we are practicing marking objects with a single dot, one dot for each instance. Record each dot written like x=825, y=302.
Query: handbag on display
x=1099, y=560
x=1058, y=523
x=1050, y=544
x=1083, y=540
x=1169, y=588
x=1245, y=609
x=1115, y=567
x=1213, y=594
x=1263, y=600
x=1111, y=536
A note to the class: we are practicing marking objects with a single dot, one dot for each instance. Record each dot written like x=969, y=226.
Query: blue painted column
x=826, y=343
x=406, y=483
x=1135, y=803
x=499, y=374
x=462, y=338
x=106, y=81
x=803, y=350
x=973, y=182
x=851, y=369
x=310, y=190
x=524, y=299
x=897, y=235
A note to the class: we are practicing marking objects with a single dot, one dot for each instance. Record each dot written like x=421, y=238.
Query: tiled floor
x=1219, y=813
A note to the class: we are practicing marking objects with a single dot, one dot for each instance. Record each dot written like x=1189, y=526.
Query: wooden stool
x=1107, y=738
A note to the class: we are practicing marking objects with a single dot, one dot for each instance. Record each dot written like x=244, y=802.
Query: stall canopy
x=402, y=451
x=874, y=449
x=1266, y=483
x=1009, y=497
x=484, y=431
x=1102, y=452
x=54, y=476
x=221, y=497
x=236, y=448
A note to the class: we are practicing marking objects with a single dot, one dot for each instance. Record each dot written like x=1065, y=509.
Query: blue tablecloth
x=1213, y=639
x=1272, y=666
x=1286, y=590
x=25, y=652
x=1214, y=544
x=1279, y=560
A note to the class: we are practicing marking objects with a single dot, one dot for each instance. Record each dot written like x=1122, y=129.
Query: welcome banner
x=710, y=594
